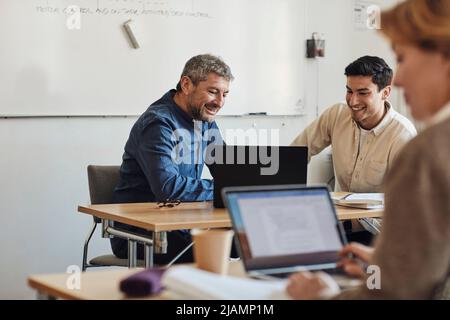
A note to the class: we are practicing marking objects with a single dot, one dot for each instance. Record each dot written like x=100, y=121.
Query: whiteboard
x=49, y=66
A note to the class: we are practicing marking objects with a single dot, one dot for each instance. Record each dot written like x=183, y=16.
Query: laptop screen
x=262, y=165
x=285, y=227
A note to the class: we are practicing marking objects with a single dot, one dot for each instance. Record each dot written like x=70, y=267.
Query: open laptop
x=284, y=229
x=257, y=165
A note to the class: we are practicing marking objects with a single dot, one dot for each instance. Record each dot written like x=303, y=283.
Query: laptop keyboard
x=281, y=275
x=336, y=271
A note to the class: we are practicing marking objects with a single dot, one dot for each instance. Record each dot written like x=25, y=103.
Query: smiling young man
x=155, y=167
x=366, y=134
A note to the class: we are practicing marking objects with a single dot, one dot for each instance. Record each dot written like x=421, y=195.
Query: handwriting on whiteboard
x=122, y=7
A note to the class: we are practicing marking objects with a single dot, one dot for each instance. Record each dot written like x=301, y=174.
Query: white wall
x=43, y=170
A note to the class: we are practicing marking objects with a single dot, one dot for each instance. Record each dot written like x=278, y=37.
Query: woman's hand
x=319, y=285
x=355, y=258
x=308, y=286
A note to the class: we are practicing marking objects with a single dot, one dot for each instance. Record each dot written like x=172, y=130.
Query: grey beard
x=196, y=113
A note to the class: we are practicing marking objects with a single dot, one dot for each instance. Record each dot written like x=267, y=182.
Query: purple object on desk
x=143, y=283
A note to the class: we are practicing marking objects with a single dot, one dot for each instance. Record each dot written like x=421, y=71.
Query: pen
x=358, y=261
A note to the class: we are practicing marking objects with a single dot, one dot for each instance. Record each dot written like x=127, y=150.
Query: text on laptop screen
x=284, y=223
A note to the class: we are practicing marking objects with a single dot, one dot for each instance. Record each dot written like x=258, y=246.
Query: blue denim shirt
x=149, y=170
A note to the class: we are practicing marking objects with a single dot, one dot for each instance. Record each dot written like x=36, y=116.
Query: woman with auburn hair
x=411, y=257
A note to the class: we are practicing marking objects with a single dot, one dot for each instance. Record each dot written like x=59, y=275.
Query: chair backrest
x=102, y=181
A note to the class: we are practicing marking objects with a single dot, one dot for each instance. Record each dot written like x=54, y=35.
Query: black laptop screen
x=257, y=166
x=283, y=228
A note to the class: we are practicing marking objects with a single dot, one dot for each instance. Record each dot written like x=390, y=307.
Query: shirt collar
x=168, y=98
x=387, y=118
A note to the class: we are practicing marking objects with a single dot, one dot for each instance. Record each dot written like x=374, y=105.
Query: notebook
x=284, y=229
x=186, y=282
x=361, y=200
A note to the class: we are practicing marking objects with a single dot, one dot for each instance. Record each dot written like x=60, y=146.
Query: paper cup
x=212, y=249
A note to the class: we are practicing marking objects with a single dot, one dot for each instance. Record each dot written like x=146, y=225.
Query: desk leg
x=159, y=245
x=148, y=256
x=160, y=242
x=133, y=239
x=132, y=253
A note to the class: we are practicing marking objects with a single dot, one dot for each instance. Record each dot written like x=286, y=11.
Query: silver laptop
x=284, y=229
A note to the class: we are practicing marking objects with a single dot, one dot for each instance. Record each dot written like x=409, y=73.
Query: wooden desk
x=97, y=284
x=191, y=215
x=187, y=215
x=103, y=284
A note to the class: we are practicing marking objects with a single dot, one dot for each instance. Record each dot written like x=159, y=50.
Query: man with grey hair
x=149, y=171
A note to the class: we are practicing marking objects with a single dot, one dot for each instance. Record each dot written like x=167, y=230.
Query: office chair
x=102, y=181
